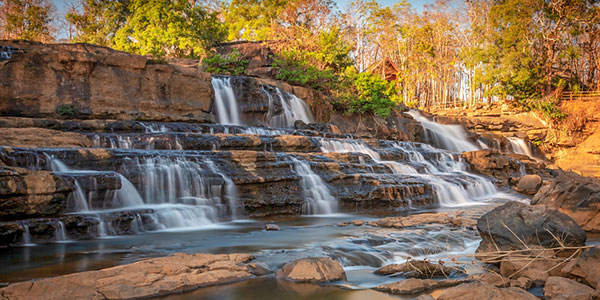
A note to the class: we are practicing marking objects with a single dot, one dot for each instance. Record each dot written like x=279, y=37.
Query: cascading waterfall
x=519, y=146
x=452, y=185
x=60, y=235
x=449, y=137
x=293, y=108
x=225, y=106
x=317, y=197
x=26, y=236
x=175, y=194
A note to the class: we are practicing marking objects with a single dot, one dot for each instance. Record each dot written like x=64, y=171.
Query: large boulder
x=314, y=269
x=92, y=82
x=515, y=224
x=505, y=167
x=575, y=195
x=140, y=280
x=479, y=290
x=559, y=288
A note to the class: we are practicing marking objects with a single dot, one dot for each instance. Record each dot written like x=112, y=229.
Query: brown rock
x=40, y=137
x=315, y=269
x=559, y=288
x=494, y=279
x=522, y=282
x=586, y=267
x=532, y=268
x=529, y=184
x=417, y=269
x=143, y=279
x=479, y=290
x=413, y=286
x=424, y=219
x=575, y=195
x=86, y=81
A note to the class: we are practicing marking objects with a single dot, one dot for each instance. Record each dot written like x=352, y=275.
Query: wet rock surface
x=516, y=225
x=144, y=279
x=316, y=270
x=575, y=195
x=425, y=219
x=559, y=288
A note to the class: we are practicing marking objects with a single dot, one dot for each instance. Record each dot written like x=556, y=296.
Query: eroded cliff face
x=90, y=82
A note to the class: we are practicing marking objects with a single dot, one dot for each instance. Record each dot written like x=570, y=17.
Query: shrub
x=66, y=110
x=230, y=64
x=292, y=68
x=375, y=95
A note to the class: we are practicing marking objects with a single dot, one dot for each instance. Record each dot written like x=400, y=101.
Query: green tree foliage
x=97, y=21
x=26, y=19
x=169, y=28
x=374, y=94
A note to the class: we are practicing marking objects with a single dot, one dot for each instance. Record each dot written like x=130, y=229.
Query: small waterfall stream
x=226, y=107
x=317, y=197
x=449, y=137
x=519, y=146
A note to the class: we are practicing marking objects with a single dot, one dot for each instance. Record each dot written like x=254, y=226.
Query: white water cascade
x=60, y=235
x=317, y=198
x=173, y=193
x=293, y=109
x=453, y=186
x=519, y=146
x=226, y=106
x=27, y=236
x=449, y=137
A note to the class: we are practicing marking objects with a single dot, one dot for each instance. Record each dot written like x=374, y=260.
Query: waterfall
x=452, y=185
x=226, y=106
x=60, y=234
x=293, y=109
x=519, y=146
x=317, y=198
x=449, y=137
x=26, y=236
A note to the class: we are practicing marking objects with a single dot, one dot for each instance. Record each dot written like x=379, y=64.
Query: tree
x=27, y=19
x=97, y=21
x=169, y=28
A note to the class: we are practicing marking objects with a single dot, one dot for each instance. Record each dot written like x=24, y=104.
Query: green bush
x=548, y=106
x=230, y=64
x=66, y=110
x=293, y=69
x=375, y=95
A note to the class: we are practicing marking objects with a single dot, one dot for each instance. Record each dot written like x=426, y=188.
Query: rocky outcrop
x=516, y=225
x=144, y=279
x=507, y=168
x=398, y=126
x=529, y=184
x=479, y=290
x=91, y=82
x=258, y=55
x=574, y=195
x=416, y=286
x=316, y=270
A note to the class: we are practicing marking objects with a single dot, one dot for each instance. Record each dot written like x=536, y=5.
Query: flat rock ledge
x=144, y=279
x=312, y=269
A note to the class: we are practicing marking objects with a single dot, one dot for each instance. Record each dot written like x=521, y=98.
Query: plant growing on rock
x=66, y=110
x=229, y=64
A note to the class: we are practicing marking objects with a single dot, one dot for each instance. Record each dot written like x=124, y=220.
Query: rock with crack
x=414, y=286
x=586, y=267
x=144, y=279
x=313, y=269
x=418, y=269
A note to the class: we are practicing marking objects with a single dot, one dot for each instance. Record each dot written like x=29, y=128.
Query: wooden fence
x=581, y=96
